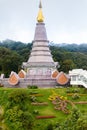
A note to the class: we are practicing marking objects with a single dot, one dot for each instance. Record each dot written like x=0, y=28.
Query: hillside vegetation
x=43, y=109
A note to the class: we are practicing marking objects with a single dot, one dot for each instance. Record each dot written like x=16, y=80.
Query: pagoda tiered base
x=25, y=82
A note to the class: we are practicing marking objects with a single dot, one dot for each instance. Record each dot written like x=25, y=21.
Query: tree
x=67, y=65
x=9, y=61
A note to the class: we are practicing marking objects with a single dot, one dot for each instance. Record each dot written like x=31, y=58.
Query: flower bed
x=61, y=105
x=39, y=103
x=59, y=102
x=65, y=110
x=45, y=117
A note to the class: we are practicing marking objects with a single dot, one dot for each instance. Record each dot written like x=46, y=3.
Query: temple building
x=40, y=69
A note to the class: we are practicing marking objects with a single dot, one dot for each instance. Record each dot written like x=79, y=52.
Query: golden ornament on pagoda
x=40, y=17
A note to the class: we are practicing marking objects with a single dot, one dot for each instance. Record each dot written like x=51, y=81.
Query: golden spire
x=40, y=17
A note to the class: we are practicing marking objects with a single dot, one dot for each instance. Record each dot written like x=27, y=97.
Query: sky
x=65, y=20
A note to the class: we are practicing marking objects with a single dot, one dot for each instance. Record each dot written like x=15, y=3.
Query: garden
x=42, y=109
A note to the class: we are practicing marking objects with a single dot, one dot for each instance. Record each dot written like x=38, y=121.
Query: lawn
x=42, y=96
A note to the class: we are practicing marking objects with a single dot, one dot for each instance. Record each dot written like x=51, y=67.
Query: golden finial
x=40, y=17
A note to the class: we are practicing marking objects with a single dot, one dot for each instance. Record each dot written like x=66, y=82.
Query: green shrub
x=75, y=96
x=82, y=123
x=32, y=87
x=36, y=112
x=17, y=111
x=85, y=91
x=50, y=127
x=68, y=91
x=70, y=122
x=33, y=99
x=75, y=90
x=18, y=119
x=18, y=97
x=72, y=90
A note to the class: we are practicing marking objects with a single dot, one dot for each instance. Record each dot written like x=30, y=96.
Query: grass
x=40, y=124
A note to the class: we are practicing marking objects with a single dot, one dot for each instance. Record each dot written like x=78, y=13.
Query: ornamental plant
x=75, y=96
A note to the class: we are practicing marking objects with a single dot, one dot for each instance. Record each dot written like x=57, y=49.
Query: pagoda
x=40, y=64
x=40, y=69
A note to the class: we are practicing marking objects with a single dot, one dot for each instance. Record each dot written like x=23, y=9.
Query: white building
x=78, y=77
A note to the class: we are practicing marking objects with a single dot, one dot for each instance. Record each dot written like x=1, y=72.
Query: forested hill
x=69, y=56
x=13, y=45
x=72, y=47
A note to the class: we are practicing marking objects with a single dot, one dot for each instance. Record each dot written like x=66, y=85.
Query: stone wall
x=23, y=83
